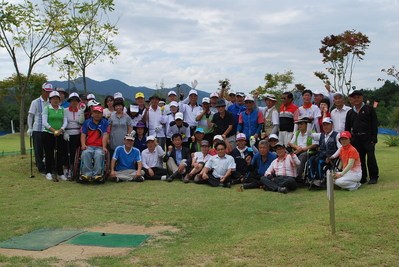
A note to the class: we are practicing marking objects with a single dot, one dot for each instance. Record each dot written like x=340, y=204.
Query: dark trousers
x=72, y=145
x=52, y=143
x=39, y=150
x=273, y=183
x=253, y=181
x=363, y=145
x=213, y=181
x=158, y=173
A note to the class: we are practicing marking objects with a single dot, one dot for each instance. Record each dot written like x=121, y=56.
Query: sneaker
x=98, y=177
x=62, y=177
x=85, y=177
x=163, y=177
x=283, y=190
x=138, y=179
x=66, y=172
x=49, y=176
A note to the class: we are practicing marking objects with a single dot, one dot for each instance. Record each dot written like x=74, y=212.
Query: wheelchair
x=77, y=169
x=319, y=179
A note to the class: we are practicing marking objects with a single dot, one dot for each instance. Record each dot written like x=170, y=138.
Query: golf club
x=31, y=159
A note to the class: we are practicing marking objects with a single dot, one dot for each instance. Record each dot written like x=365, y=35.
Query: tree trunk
x=84, y=80
x=22, y=123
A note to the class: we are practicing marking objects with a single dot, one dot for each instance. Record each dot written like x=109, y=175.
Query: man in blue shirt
x=259, y=164
x=124, y=161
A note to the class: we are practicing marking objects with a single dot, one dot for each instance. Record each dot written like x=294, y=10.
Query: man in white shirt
x=151, y=159
x=190, y=109
x=338, y=115
x=271, y=116
x=156, y=121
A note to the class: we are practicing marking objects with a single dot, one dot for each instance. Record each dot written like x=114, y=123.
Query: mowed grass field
x=218, y=226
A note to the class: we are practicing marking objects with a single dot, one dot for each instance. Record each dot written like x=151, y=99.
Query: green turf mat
x=40, y=239
x=108, y=240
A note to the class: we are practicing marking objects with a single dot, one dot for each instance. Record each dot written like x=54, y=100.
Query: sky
x=177, y=41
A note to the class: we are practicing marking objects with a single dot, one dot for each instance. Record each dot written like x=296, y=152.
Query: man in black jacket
x=362, y=122
x=178, y=158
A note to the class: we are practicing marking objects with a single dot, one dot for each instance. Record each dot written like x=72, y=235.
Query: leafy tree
x=93, y=42
x=342, y=52
x=391, y=72
x=34, y=32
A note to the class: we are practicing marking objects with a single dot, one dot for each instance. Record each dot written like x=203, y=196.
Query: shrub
x=392, y=140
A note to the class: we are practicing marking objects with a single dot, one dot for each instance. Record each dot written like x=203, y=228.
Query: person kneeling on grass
x=123, y=163
x=198, y=162
x=152, y=160
x=218, y=169
x=280, y=176
x=351, y=175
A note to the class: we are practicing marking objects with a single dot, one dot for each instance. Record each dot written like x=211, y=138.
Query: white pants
x=285, y=137
x=127, y=175
x=350, y=181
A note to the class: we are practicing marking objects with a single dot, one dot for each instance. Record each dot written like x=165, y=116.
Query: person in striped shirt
x=280, y=176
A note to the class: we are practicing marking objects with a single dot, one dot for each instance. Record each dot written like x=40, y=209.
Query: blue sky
x=178, y=41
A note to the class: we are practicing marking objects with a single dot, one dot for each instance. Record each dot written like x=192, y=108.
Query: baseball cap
x=249, y=98
x=178, y=116
x=172, y=93
x=317, y=92
x=98, y=108
x=91, y=96
x=328, y=120
x=355, y=92
x=173, y=104
x=273, y=136
x=338, y=93
x=193, y=92
x=232, y=92
x=220, y=103
x=72, y=95
x=140, y=124
x=93, y=103
x=218, y=137
x=345, y=134
x=241, y=136
x=271, y=97
x=302, y=119
x=129, y=137
x=62, y=90
x=204, y=143
x=118, y=95
x=200, y=130
x=48, y=87
x=206, y=100
x=240, y=94
x=140, y=94
x=54, y=93
x=214, y=95
x=150, y=138
x=280, y=145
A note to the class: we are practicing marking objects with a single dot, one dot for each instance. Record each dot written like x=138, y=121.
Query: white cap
x=328, y=120
x=206, y=100
x=172, y=93
x=218, y=137
x=271, y=97
x=338, y=93
x=173, y=104
x=54, y=93
x=232, y=92
x=91, y=96
x=193, y=92
x=273, y=136
x=47, y=87
x=93, y=103
x=214, y=94
x=118, y=95
x=249, y=98
x=179, y=115
x=150, y=138
x=241, y=136
x=317, y=92
x=73, y=95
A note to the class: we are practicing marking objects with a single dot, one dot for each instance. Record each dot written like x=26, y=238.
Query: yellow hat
x=140, y=94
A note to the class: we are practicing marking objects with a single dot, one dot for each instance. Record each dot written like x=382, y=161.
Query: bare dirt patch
x=77, y=252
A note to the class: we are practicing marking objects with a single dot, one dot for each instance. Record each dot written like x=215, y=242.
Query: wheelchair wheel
x=76, y=166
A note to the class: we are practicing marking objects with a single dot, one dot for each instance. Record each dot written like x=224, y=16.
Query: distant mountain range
x=109, y=87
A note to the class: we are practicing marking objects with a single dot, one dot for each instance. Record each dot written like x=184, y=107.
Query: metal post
x=69, y=63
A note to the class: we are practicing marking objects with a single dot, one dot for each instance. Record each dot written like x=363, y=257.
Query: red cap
x=98, y=108
x=345, y=134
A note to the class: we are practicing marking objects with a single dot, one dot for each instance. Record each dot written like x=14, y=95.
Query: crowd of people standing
x=213, y=140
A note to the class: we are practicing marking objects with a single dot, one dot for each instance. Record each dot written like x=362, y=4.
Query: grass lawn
x=218, y=226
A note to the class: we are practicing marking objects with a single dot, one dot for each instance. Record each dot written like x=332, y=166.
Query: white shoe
x=69, y=174
x=49, y=176
x=163, y=177
x=62, y=177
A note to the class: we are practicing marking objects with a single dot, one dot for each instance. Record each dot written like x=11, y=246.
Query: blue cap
x=200, y=130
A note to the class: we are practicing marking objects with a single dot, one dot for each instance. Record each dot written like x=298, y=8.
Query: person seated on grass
x=351, y=175
x=242, y=156
x=124, y=161
x=281, y=174
x=220, y=138
x=198, y=162
x=218, y=169
x=94, y=140
x=151, y=159
x=196, y=139
x=178, y=158
x=273, y=140
x=302, y=145
x=258, y=167
x=180, y=127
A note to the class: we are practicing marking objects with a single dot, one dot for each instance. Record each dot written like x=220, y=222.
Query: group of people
x=217, y=141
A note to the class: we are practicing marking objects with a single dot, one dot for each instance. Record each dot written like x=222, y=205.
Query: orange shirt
x=349, y=152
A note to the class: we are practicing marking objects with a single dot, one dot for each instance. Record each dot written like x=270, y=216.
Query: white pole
x=12, y=127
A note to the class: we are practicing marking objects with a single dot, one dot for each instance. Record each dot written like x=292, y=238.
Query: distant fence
x=387, y=131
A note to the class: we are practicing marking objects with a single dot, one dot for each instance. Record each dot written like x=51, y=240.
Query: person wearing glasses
x=109, y=106
x=288, y=114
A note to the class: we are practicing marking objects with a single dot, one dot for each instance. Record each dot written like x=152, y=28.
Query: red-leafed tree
x=341, y=52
